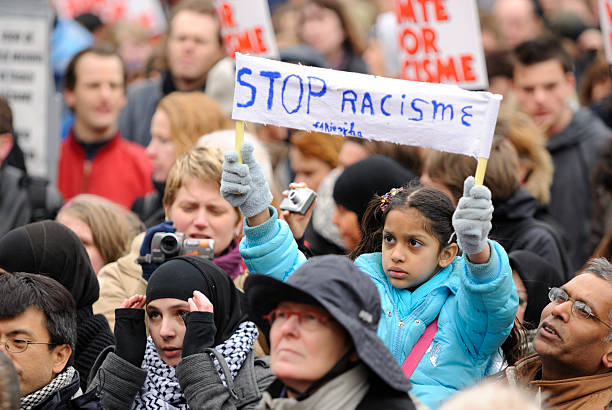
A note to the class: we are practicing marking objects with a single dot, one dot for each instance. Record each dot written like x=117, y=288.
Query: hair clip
x=451, y=237
x=386, y=198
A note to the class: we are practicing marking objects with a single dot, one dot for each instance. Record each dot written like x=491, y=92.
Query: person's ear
x=69, y=98
x=61, y=354
x=238, y=227
x=607, y=357
x=6, y=144
x=447, y=254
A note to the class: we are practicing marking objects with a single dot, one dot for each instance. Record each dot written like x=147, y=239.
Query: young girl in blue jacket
x=407, y=249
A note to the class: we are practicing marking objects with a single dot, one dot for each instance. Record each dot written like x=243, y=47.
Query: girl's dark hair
x=434, y=205
x=515, y=347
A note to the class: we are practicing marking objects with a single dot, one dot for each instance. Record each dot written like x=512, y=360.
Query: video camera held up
x=166, y=245
x=298, y=200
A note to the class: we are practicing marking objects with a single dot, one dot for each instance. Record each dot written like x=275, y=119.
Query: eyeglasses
x=579, y=309
x=19, y=345
x=308, y=319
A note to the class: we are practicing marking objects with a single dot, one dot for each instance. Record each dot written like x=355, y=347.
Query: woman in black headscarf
x=50, y=248
x=200, y=350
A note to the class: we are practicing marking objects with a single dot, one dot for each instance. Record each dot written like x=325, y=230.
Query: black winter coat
x=62, y=399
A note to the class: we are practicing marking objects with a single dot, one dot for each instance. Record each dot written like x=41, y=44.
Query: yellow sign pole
x=239, y=138
x=480, y=171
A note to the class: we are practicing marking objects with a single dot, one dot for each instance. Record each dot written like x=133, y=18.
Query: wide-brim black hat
x=350, y=297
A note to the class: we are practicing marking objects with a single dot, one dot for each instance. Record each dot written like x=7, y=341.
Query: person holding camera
x=199, y=353
x=198, y=219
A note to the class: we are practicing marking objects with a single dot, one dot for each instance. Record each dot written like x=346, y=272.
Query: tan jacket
x=589, y=392
x=120, y=280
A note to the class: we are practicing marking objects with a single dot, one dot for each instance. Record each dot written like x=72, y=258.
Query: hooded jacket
x=515, y=228
x=588, y=392
x=574, y=151
x=475, y=306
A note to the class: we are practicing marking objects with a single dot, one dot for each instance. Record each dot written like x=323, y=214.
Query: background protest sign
x=439, y=116
x=26, y=81
x=440, y=42
x=605, y=22
x=147, y=13
x=246, y=27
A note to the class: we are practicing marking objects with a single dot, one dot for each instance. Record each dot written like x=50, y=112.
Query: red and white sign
x=147, y=13
x=605, y=22
x=246, y=27
x=440, y=42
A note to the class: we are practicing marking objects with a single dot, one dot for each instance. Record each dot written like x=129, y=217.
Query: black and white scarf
x=161, y=389
x=60, y=381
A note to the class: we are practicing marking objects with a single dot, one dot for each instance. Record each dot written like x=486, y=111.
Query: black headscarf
x=376, y=174
x=50, y=248
x=177, y=278
x=537, y=275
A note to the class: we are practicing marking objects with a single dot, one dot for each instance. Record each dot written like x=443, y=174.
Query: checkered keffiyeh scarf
x=161, y=389
x=60, y=381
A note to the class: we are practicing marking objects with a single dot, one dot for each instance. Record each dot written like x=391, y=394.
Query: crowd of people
x=163, y=270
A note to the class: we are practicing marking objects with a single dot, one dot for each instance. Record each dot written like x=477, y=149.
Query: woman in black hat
x=324, y=351
x=200, y=350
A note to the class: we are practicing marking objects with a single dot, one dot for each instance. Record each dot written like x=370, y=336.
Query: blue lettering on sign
x=437, y=105
x=466, y=114
x=417, y=109
x=319, y=93
x=272, y=75
x=346, y=130
x=366, y=102
x=299, y=104
x=382, y=105
x=241, y=72
x=353, y=100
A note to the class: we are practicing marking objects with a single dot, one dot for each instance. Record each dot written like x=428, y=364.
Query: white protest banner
x=147, y=13
x=440, y=42
x=246, y=27
x=440, y=116
x=605, y=22
x=26, y=81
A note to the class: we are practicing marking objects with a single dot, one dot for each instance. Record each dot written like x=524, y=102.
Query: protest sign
x=246, y=27
x=605, y=22
x=26, y=81
x=147, y=13
x=440, y=42
x=439, y=116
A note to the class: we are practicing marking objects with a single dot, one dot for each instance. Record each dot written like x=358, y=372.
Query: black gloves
x=130, y=334
x=200, y=331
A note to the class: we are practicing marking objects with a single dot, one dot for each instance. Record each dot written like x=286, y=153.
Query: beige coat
x=120, y=280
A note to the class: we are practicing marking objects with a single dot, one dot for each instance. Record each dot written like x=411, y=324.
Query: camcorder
x=166, y=245
x=298, y=201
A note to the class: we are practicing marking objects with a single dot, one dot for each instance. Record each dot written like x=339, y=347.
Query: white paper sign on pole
x=246, y=27
x=605, y=22
x=439, y=116
x=440, y=42
x=26, y=82
x=147, y=13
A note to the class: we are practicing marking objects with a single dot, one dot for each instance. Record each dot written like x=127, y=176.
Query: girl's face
x=199, y=211
x=410, y=254
x=301, y=352
x=161, y=149
x=167, y=328
x=321, y=29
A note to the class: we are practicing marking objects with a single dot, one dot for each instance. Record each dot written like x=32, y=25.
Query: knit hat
x=375, y=174
x=350, y=297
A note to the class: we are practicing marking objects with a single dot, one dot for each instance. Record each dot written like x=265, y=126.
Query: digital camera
x=166, y=245
x=298, y=200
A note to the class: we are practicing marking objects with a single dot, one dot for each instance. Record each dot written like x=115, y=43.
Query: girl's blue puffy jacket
x=475, y=305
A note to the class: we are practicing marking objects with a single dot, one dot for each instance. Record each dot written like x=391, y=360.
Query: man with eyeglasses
x=573, y=365
x=38, y=333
